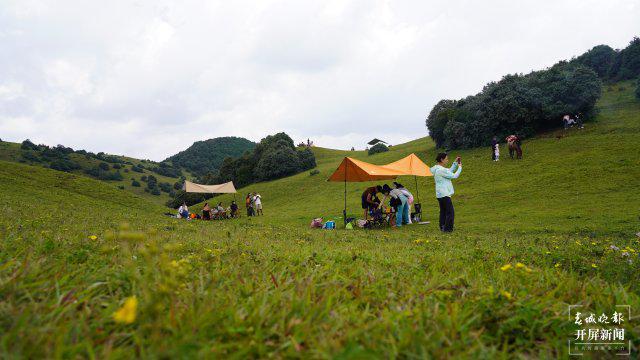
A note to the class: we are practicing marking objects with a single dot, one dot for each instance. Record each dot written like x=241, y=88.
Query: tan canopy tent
x=226, y=188
x=352, y=170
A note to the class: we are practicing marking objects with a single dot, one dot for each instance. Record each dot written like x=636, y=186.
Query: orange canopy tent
x=411, y=165
x=352, y=170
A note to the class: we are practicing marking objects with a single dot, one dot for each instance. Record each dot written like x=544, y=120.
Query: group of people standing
x=253, y=202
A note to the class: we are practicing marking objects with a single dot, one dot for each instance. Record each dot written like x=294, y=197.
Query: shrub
x=177, y=185
x=64, y=165
x=155, y=191
x=135, y=183
x=378, y=148
x=121, y=187
x=165, y=187
x=28, y=145
x=137, y=169
x=166, y=170
x=143, y=178
x=314, y=172
x=277, y=163
x=116, y=166
x=103, y=166
x=638, y=89
x=30, y=156
x=152, y=182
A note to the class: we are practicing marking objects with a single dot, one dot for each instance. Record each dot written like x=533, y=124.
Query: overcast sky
x=148, y=78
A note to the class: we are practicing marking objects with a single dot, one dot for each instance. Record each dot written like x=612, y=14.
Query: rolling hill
x=207, y=156
x=532, y=237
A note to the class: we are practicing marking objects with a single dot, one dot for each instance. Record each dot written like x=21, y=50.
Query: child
x=496, y=152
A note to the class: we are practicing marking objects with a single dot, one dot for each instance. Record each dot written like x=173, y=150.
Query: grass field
x=75, y=249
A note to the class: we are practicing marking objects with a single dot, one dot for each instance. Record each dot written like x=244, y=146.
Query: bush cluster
x=378, y=148
x=517, y=104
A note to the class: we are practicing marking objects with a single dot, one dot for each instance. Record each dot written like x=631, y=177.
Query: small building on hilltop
x=376, y=141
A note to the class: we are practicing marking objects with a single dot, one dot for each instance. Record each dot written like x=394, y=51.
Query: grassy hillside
x=12, y=152
x=74, y=249
x=573, y=181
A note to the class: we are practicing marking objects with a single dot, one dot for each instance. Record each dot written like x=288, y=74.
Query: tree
x=638, y=88
x=378, y=148
x=103, y=166
x=135, y=183
x=599, y=59
x=28, y=145
x=277, y=163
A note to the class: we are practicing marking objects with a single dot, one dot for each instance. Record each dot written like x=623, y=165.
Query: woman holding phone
x=444, y=188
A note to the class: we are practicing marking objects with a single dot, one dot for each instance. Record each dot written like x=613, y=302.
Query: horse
x=514, y=146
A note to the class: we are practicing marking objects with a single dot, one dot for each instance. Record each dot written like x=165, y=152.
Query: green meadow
x=532, y=237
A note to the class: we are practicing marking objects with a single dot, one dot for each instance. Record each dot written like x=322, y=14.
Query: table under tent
x=352, y=170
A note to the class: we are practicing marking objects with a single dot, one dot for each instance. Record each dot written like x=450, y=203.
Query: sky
x=148, y=78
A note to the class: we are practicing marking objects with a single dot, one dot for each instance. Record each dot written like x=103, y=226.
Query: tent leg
x=417, y=190
x=344, y=211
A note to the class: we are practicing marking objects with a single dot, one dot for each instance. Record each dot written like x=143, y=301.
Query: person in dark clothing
x=369, y=197
x=234, y=209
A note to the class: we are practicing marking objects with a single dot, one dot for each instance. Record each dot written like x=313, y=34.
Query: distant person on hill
x=206, y=211
x=565, y=121
x=257, y=203
x=183, y=211
x=368, y=198
x=495, y=149
x=444, y=188
x=579, y=123
x=234, y=209
x=249, y=204
x=407, y=194
x=515, y=146
x=402, y=212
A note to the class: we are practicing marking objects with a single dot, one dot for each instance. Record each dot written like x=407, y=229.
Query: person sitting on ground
x=257, y=203
x=402, y=212
x=565, y=121
x=221, y=211
x=234, y=209
x=368, y=197
x=206, y=211
x=183, y=211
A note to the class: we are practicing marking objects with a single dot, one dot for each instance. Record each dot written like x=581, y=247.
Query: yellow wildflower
x=506, y=294
x=594, y=266
x=418, y=241
x=127, y=313
x=93, y=237
x=506, y=267
x=557, y=265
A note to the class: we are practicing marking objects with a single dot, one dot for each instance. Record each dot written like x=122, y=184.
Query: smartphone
x=459, y=160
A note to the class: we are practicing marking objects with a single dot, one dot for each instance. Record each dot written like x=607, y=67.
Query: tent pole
x=417, y=191
x=344, y=211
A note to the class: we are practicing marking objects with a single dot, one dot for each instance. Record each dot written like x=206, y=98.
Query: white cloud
x=148, y=78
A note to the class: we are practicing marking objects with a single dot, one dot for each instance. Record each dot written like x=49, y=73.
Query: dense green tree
x=378, y=148
x=600, y=59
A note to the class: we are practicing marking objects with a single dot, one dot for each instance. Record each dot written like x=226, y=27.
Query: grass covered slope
x=271, y=287
x=12, y=152
x=578, y=180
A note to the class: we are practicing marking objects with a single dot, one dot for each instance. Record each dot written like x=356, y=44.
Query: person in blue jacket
x=444, y=188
